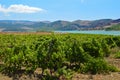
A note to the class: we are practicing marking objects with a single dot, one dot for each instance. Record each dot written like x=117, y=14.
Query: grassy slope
x=114, y=27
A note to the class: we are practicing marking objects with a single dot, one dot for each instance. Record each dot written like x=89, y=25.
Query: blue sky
x=52, y=10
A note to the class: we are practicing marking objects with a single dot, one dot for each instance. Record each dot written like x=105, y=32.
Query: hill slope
x=114, y=27
x=15, y=25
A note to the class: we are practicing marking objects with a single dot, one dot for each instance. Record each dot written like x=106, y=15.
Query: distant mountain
x=116, y=21
x=21, y=25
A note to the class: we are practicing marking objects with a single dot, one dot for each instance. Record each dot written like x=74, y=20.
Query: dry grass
x=3, y=77
x=25, y=33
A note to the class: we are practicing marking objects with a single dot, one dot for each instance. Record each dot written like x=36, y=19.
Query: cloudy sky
x=44, y=10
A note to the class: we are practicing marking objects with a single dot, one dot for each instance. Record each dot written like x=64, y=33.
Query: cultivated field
x=49, y=56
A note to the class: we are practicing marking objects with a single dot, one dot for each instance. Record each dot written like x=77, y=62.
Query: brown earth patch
x=25, y=33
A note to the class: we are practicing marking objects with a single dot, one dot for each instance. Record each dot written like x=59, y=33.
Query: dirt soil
x=25, y=33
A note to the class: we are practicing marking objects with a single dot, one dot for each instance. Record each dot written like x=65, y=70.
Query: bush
x=67, y=74
x=97, y=66
x=105, y=48
x=117, y=55
x=117, y=41
x=93, y=48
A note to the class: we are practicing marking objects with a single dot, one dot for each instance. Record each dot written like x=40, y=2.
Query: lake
x=92, y=32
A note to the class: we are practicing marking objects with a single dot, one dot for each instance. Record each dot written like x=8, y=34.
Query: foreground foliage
x=58, y=54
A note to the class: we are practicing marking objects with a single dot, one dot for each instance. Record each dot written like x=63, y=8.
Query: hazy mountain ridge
x=21, y=25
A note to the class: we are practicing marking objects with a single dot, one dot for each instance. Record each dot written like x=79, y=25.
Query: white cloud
x=19, y=8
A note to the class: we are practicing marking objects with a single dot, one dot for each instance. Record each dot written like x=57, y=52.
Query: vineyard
x=58, y=55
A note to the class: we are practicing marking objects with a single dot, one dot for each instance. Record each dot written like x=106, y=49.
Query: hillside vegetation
x=114, y=27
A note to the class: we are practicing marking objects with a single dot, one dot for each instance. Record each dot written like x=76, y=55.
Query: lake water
x=93, y=32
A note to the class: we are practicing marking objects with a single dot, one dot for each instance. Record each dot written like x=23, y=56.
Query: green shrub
x=97, y=66
x=110, y=42
x=117, y=55
x=67, y=74
x=106, y=48
x=117, y=41
x=93, y=48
